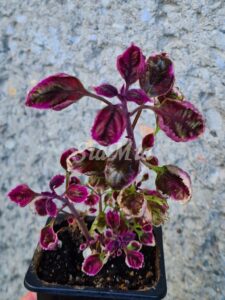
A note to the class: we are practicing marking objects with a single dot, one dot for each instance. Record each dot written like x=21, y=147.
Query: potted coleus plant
x=112, y=248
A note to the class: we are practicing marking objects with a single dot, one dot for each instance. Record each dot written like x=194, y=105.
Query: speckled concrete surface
x=38, y=38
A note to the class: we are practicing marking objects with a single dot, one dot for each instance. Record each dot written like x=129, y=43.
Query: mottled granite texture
x=38, y=38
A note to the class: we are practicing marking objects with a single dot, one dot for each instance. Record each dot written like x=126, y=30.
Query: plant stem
x=75, y=213
x=98, y=97
x=136, y=118
x=141, y=107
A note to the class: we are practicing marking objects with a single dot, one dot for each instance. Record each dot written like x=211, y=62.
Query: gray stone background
x=38, y=38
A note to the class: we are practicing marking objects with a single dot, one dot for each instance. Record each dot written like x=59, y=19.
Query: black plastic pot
x=47, y=291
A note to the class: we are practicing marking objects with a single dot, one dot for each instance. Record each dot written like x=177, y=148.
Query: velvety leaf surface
x=48, y=238
x=106, y=90
x=138, y=96
x=122, y=167
x=130, y=64
x=90, y=162
x=56, y=92
x=175, y=183
x=180, y=120
x=77, y=193
x=109, y=125
x=92, y=264
x=134, y=259
x=158, y=77
x=22, y=195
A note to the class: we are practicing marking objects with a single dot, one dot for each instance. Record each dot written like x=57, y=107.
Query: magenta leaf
x=56, y=92
x=109, y=125
x=77, y=193
x=130, y=64
x=148, y=141
x=134, y=259
x=138, y=96
x=65, y=155
x=113, y=219
x=92, y=199
x=173, y=94
x=56, y=181
x=180, y=120
x=45, y=206
x=152, y=160
x=106, y=90
x=158, y=77
x=89, y=162
x=48, y=238
x=175, y=183
x=122, y=167
x=92, y=264
x=132, y=203
x=147, y=239
x=22, y=195
x=51, y=208
x=147, y=227
x=74, y=180
x=134, y=245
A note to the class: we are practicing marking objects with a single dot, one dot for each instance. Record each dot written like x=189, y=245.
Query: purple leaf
x=22, y=195
x=108, y=233
x=134, y=245
x=89, y=162
x=173, y=94
x=92, y=200
x=152, y=160
x=134, y=259
x=106, y=90
x=147, y=227
x=51, y=208
x=148, y=141
x=180, y=120
x=138, y=96
x=56, y=92
x=74, y=180
x=113, y=219
x=130, y=64
x=158, y=77
x=56, y=181
x=77, y=193
x=147, y=239
x=109, y=125
x=175, y=183
x=113, y=245
x=92, y=264
x=48, y=238
x=122, y=167
x=65, y=155
x=132, y=203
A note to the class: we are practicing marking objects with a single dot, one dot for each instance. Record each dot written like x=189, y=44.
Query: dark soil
x=63, y=266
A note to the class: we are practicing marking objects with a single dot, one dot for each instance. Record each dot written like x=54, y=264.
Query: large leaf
x=158, y=77
x=56, y=92
x=109, y=125
x=122, y=167
x=130, y=64
x=89, y=162
x=22, y=195
x=180, y=120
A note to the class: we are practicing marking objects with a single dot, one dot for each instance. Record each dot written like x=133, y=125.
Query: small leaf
x=109, y=125
x=22, y=195
x=180, y=120
x=89, y=162
x=56, y=181
x=48, y=238
x=134, y=245
x=130, y=64
x=122, y=167
x=92, y=264
x=147, y=239
x=99, y=223
x=132, y=203
x=148, y=141
x=106, y=90
x=65, y=155
x=158, y=77
x=51, y=208
x=134, y=259
x=56, y=92
x=92, y=200
x=45, y=206
x=173, y=94
x=113, y=219
x=175, y=183
x=138, y=96
x=77, y=193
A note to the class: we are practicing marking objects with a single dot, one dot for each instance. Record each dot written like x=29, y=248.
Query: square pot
x=47, y=291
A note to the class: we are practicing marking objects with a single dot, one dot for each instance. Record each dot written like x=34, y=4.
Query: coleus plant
x=124, y=211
